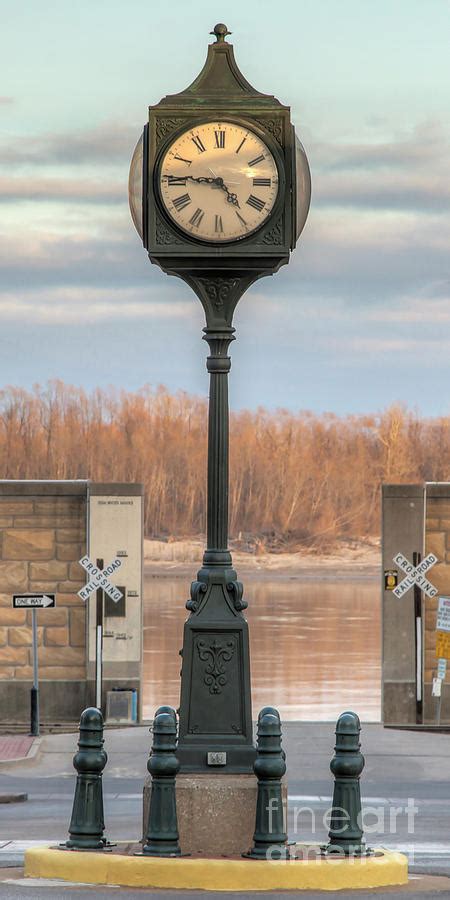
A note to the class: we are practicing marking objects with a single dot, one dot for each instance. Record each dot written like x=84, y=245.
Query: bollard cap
x=268, y=710
x=165, y=723
x=348, y=723
x=166, y=709
x=91, y=719
x=269, y=725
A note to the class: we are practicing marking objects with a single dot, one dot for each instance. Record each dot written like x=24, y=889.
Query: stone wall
x=42, y=537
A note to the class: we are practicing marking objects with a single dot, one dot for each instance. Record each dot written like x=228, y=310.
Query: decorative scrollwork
x=216, y=655
x=164, y=126
x=274, y=126
x=163, y=234
x=218, y=290
x=236, y=728
x=197, y=589
x=274, y=236
x=194, y=729
x=236, y=588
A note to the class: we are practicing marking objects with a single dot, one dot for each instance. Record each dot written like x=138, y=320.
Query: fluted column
x=218, y=365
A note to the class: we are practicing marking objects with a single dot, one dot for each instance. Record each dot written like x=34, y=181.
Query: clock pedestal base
x=216, y=813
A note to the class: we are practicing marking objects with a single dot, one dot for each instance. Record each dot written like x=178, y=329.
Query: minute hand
x=231, y=198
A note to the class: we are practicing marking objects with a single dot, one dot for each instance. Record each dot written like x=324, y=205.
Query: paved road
x=17, y=888
x=405, y=788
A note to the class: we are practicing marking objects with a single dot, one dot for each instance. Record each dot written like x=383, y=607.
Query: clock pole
x=182, y=162
x=218, y=365
x=215, y=709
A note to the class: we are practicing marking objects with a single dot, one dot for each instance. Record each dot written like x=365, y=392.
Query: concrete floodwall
x=415, y=520
x=45, y=529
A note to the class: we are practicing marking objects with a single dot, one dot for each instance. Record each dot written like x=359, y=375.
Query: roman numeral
x=181, y=201
x=254, y=162
x=198, y=143
x=256, y=203
x=220, y=139
x=240, y=218
x=187, y=161
x=197, y=217
x=241, y=144
x=175, y=179
x=262, y=182
x=219, y=226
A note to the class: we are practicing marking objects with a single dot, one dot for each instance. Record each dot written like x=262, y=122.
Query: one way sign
x=33, y=601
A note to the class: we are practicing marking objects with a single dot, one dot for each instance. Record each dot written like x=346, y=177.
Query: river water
x=314, y=645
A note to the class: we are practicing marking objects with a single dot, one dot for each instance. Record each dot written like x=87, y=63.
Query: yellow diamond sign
x=443, y=645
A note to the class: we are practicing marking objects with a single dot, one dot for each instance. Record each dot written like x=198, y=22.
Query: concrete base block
x=216, y=813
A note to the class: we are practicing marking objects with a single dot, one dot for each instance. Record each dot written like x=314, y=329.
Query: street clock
x=219, y=182
x=219, y=193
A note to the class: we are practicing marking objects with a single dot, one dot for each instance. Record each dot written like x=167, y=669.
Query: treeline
x=296, y=478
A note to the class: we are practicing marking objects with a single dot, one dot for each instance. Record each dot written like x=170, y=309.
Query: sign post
x=99, y=643
x=35, y=688
x=34, y=602
x=418, y=621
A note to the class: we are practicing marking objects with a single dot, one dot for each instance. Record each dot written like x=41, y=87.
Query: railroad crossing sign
x=99, y=578
x=415, y=575
x=33, y=601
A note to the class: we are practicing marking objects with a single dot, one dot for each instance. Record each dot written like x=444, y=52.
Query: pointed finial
x=220, y=32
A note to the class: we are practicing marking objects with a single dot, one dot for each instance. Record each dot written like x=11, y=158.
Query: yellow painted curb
x=388, y=868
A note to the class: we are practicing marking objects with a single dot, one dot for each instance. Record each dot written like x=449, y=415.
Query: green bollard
x=87, y=823
x=346, y=834
x=269, y=767
x=162, y=831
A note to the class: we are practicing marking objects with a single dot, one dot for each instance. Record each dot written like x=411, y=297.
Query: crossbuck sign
x=415, y=575
x=99, y=578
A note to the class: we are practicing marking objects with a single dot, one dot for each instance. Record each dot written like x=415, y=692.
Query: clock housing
x=218, y=261
x=220, y=94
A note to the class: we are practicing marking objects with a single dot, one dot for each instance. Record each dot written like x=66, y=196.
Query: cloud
x=367, y=259
x=71, y=306
x=6, y=101
x=389, y=191
x=109, y=142
x=407, y=172
x=50, y=189
x=426, y=143
x=47, y=259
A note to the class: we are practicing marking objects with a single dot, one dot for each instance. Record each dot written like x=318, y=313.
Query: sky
x=359, y=320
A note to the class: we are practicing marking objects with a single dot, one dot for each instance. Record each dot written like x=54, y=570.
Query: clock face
x=218, y=181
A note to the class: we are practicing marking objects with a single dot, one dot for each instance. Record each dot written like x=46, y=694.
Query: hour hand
x=231, y=198
x=182, y=179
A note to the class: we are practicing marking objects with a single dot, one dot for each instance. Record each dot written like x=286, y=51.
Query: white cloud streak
x=69, y=306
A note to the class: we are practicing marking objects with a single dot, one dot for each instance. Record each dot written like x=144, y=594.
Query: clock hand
x=231, y=197
x=191, y=178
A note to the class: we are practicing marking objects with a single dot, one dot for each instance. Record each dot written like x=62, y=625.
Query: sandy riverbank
x=351, y=560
